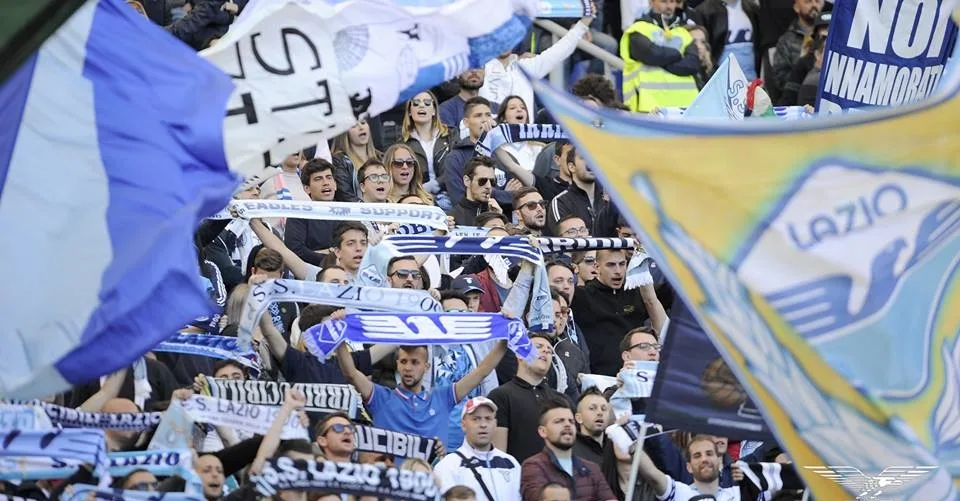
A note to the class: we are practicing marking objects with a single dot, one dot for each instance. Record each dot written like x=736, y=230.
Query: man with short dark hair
x=374, y=182
x=531, y=210
x=349, y=245
x=584, y=198
x=557, y=463
x=593, y=417
x=478, y=119
x=479, y=180
x=310, y=239
x=335, y=436
x=606, y=311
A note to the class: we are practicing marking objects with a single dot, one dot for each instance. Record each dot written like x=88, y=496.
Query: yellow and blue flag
x=823, y=258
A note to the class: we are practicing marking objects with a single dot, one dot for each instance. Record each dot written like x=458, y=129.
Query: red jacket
x=586, y=484
x=490, y=299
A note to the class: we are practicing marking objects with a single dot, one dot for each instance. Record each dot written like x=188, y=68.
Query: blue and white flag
x=724, y=95
x=565, y=8
x=219, y=347
x=308, y=70
x=782, y=112
x=419, y=329
x=83, y=492
x=884, y=54
x=110, y=158
x=80, y=445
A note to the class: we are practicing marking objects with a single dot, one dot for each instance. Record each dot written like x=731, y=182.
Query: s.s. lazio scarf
x=395, y=443
x=512, y=133
x=85, y=446
x=262, y=295
x=81, y=492
x=320, y=397
x=427, y=215
x=373, y=268
x=630, y=399
x=219, y=347
x=283, y=473
x=421, y=329
x=638, y=270
x=253, y=419
x=23, y=416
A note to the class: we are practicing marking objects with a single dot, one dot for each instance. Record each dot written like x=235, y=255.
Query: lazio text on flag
x=885, y=53
x=110, y=158
x=828, y=277
x=306, y=71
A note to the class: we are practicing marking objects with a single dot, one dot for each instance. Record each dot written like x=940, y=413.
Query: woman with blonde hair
x=405, y=172
x=429, y=139
x=351, y=150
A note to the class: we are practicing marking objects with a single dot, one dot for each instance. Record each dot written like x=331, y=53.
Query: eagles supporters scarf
x=85, y=446
x=219, y=347
x=249, y=418
x=261, y=296
x=283, y=473
x=395, y=443
x=513, y=133
x=427, y=215
x=423, y=329
x=321, y=397
x=373, y=268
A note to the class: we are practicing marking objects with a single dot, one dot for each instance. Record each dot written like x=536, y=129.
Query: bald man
x=119, y=440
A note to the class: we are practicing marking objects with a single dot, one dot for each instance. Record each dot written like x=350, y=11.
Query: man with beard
x=703, y=462
x=584, y=198
x=557, y=463
x=493, y=474
x=593, y=417
x=479, y=182
x=789, y=44
x=451, y=110
x=530, y=209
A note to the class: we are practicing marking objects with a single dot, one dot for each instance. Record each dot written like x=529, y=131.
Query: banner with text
x=884, y=54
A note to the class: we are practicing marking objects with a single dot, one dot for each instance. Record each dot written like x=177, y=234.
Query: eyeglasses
x=482, y=181
x=573, y=232
x=408, y=162
x=418, y=102
x=645, y=346
x=405, y=274
x=338, y=428
x=383, y=178
x=145, y=486
x=534, y=205
x=589, y=260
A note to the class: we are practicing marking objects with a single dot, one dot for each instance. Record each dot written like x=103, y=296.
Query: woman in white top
x=514, y=111
x=429, y=140
x=406, y=173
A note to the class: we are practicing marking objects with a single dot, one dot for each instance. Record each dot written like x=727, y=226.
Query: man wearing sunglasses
x=335, y=437
x=531, y=210
x=479, y=180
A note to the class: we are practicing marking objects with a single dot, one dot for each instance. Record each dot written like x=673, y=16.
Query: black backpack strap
x=476, y=475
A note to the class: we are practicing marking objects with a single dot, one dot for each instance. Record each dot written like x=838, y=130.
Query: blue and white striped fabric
x=782, y=112
x=112, y=152
x=724, y=95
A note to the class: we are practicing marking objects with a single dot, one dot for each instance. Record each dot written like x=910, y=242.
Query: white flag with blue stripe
x=724, y=95
x=310, y=69
x=111, y=153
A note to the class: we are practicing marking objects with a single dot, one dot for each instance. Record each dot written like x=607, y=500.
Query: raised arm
x=477, y=375
x=508, y=162
x=293, y=401
x=275, y=341
x=109, y=390
x=292, y=260
x=355, y=377
x=649, y=472
x=658, y=316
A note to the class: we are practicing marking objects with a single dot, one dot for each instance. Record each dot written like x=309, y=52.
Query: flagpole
x=635, y=465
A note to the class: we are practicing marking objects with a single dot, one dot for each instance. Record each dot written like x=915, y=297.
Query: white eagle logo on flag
x=878, y=487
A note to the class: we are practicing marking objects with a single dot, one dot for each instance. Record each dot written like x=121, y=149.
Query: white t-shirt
x=683, y=492
x=740, y=39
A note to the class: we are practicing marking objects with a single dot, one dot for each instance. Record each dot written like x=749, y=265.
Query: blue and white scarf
x=283, y=474
x=395, y=443
x=373, y=268
x=261, y=296
x=427, y=215
x=219, y=347
x=82, y=492
x=630, y=398
x=73, y=418
x=638, y=270
x=419, y=329
x=85, y=446
x=511, y=133
x=175, y=431
x=320, y=397
x=23, y=416
x=248, y=418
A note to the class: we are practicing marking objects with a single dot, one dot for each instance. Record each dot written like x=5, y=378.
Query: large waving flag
x=109, y=157
x=724, y=95
x=823, y=258
x=306, y=71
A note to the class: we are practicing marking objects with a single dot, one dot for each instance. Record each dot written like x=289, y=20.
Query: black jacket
x=600, y=218
x=712, y=15
x=306, y=236
x=604, y=316
x=440, y=149
x=466, y=211
x=345, y=174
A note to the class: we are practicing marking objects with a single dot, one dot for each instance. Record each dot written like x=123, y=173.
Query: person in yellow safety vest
x=660, y=60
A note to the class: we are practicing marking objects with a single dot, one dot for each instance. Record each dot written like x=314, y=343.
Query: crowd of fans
x=510, y=429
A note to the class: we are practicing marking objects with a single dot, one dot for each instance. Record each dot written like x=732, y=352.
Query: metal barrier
x=557, y=76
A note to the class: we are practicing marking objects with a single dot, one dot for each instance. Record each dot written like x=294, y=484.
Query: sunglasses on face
x=424, y=102
x=482, y=181
x=339, y=428
x=405, y=274
x=589, y=260
x=383, y=178
x=534, y=205
x=404, y=163
x=646, y=346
